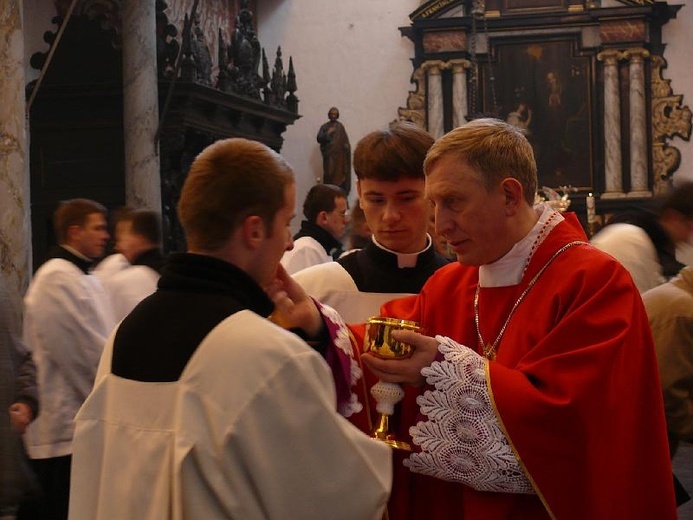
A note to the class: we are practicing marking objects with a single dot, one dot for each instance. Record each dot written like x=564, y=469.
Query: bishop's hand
x=407, y=370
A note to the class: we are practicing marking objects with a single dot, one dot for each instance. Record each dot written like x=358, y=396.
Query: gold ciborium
x=379, y=342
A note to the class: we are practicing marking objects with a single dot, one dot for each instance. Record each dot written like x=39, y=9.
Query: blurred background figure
x=139, y=242
x=67, y=318
x=114, y=261
x=670, y=312
x=358, y=232
x=18, y=407
x=319, y=239
x=645, y=242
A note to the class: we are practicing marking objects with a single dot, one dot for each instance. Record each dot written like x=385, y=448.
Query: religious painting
x=544, y=88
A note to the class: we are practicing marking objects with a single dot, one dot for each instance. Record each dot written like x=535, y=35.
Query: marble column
x=459, y=91
x=140, y=105
x=612, y=125
x=638, y=123
x=435, y=98
x=15, y=221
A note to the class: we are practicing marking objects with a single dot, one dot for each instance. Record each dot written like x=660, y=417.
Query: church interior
x=111, y=100
x=619, y=67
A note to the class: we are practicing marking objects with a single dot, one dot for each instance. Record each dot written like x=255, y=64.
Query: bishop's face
x=473, y=220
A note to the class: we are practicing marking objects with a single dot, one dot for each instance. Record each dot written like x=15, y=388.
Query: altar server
x=202, y=406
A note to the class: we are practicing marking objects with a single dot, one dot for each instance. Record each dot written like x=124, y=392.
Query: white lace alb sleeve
x=462, y=440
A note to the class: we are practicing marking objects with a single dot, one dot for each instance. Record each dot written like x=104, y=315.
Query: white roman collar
x=405, y=259
x=76, y=253
x=509, y=269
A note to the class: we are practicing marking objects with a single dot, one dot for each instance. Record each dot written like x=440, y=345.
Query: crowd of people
x=230, y=380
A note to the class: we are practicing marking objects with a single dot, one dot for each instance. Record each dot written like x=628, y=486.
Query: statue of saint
x=336, y=152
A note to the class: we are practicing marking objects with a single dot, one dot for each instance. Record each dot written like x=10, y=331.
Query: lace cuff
x=340, y=357
x=462, y=440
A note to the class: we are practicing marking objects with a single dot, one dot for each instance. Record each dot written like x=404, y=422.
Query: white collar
x=405, y=259
x=509, y=269
x=76, y=253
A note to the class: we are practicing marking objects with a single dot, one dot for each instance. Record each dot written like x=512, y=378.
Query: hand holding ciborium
x=379, y=342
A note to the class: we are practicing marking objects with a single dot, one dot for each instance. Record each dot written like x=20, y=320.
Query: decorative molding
x=622, y=31
x=669, y=119
x=445, y=41
x=432, y=9
x=415, y=110
x=636, y=2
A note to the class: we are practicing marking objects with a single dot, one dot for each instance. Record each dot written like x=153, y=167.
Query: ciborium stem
x=387, y=395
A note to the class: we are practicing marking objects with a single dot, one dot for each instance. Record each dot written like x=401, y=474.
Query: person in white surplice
x=67, y=317
x=205, y=408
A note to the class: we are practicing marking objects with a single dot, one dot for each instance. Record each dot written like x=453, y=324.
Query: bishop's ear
x=513, y=192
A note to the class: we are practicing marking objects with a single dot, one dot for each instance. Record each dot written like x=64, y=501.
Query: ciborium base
x=382, y=433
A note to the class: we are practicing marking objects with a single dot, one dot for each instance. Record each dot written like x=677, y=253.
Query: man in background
x=318, y=240
x=18, y=407
x=139, y=241
x=670, y=311
x=645, y=241
x=401, y=255
x=114, y=261
x=67, y=317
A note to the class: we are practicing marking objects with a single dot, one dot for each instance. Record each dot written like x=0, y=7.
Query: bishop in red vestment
x=538, y=394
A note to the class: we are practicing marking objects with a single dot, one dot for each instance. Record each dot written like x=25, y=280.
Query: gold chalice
x=379, y=342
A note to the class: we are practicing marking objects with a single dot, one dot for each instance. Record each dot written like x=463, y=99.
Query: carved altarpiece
x=76, y=119
x=586, y=82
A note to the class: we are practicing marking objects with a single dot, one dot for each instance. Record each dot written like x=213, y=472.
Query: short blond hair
x=494, y=149
x=229, y=181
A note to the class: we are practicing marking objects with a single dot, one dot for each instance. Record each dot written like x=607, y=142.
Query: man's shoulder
x=56, y=271
x=619, y=235
x=306, y=241
x=306, y=252
x=669, y=296
x=246, y=338
x=134, y=274
x=330, y=275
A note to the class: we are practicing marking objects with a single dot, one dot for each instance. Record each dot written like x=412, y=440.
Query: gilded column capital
x=610, y=57
x=459, y=65
x=433, y=67
x=636, y=54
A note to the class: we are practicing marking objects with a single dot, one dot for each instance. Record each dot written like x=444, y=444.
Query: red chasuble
x=574, y=386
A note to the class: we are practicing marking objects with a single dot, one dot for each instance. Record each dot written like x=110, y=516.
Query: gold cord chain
x=490, y=349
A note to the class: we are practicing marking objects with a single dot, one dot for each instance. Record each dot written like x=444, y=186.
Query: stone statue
x=336, y=152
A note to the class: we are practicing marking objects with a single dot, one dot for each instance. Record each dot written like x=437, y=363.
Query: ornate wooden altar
x=585, y=82
x=76, y=120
